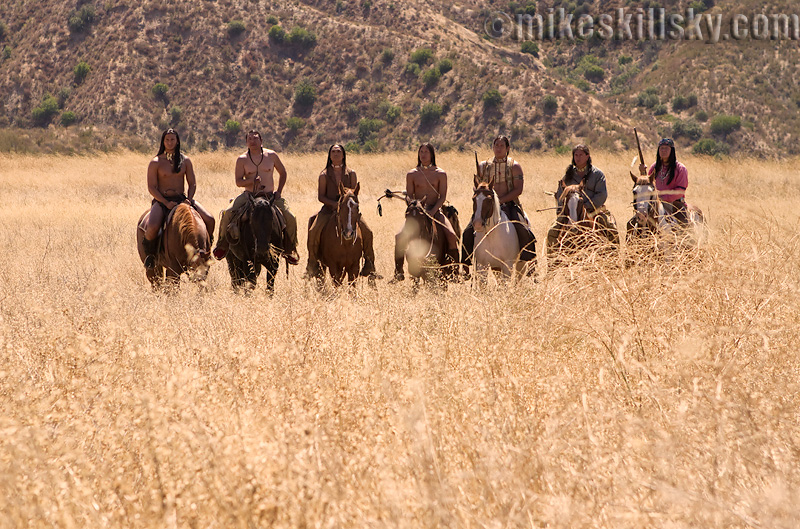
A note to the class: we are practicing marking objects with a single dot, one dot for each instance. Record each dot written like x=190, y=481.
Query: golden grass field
x=664, y=396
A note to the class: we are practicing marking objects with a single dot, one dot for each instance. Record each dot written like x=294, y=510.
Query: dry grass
x=599, y=397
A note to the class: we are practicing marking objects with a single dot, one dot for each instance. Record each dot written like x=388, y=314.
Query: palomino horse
x=652, y=229
x=496, y=241
x=184, y=247
x=259, y=244
x=341, y=243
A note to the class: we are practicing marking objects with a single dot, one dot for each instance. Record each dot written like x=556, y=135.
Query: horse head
x=573, y=210
x=645, y=199
x=259, y=218
x=418, y=216
x=347, y=212
x=483, y=205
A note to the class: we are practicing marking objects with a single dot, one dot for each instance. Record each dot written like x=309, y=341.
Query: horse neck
x=188, y=229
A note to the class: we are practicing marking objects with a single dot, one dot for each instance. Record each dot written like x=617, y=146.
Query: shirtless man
x=508, y=184
x=426, y=181
x=166, y=174
x=254, y=172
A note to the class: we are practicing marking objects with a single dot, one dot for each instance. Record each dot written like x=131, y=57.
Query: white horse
x=496, y=242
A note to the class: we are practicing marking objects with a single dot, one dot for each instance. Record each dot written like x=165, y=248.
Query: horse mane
x=496, y=211
x=187, y=226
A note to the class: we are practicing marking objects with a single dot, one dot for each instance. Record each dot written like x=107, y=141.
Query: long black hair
x=572, y=169
x=177, y=160
x=329, y=164
x=672, y=162
x=431, y=150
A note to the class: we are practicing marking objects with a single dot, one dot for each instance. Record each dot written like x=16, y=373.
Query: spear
x=638, y=146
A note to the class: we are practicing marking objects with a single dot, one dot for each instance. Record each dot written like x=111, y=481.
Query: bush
x=679, y=103
x=236, y=28
x=691, y=101
x=80, y=72
x=272, y=20
x=175, y=114
x=530, y=47
x=233, y=127
x=594, y=73
x=422, y=56
x=3, y=30
x=430, y=114
x=301, y=37
x=413, y=69
x=79, y=20
x=624, y=59
x=647, y=99
x=392, y=113
x=277, y=34
x=159, y=91
x=549, y=104
x=445, y=65
x=710, y=147
x=387, y=56
x=431, y=77
x=295, y=123
x=63, y=95
x=492, y=98
x=305, y=93
x=45, y=111
x=688, y=129
x=701, y=115
x=68, y=118
x=724, y=124
x=367, y=127
x=659, y=110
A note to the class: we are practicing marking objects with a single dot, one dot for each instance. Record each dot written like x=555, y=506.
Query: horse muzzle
x=349, y=235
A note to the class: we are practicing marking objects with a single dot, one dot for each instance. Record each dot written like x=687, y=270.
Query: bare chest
x=167, y=180
x=258, y=166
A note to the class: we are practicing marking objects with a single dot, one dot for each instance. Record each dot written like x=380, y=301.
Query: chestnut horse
x=184, y=246
x=496, y=241
x=260, y=244
x=341, y=243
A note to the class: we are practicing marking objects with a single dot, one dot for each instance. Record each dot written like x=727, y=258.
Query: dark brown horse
x=427, y=243
x=260, y=244
x=184, y=247
x=341, y=243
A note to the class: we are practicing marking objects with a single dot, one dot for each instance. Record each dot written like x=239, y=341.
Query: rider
x=335, y=173
x=594, y=195
x=165, y=181
x=254, y=172
x=428, y=183
x=672, y=179
x=508, y=184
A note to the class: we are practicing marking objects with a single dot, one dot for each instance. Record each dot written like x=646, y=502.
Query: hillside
x=376, y=74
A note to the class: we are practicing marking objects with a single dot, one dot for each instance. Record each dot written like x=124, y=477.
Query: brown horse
x=341, y=243
x=427, y=244
x=184, y=247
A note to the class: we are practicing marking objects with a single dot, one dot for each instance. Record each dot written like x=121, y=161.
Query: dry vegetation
x=598, y=397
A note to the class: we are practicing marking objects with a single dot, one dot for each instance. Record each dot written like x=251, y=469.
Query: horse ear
x=633, y=177
x=652, y=178
x=341, y=189
x=491, y=184
x=475, y=182
x=358, y=186
x=409, y=200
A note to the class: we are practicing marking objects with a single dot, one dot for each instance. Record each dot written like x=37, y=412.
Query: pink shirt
x=677, y=188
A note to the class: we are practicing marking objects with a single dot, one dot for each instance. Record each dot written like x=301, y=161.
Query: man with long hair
x=506, y=173
x=254, y=172
x=594, y=196
x=336, y=172
x=672, y=179
x=166, y=175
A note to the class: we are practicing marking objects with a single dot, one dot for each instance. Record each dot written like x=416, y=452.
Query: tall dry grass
x=659, y=396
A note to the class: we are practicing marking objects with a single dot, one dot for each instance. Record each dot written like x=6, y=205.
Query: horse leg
x=271, y=269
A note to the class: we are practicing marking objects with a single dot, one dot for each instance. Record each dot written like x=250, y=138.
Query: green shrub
x=236, y=28
x=431, y=77
x=387, y=56
x=549, y=104
x=272, y=20
x=688, y=129
x=80, y=72
x=45, y=111
x=79, y=20
x=530, y=47
x=368, y=127
x=305, y=93
x=277, y=34
x=413, y=69
x=422, y=56
x=392, y=113
x=445, y=65
x=3, y=30
x=430, y=114
x=691, y=101
x=701, y=115
x=659, y=110
x=492, y=98
x=679, y=103
x=301, y=37
x=352, y=147
x=624, y=59
x=710, y=147
x=647, y=99
x=594, y=73
x=724, y=124
x=232, y=127
x=175, y=114
x=295, y=123
x=159, y=91
x=68, y=118
x=63, y=95
x=698, y=5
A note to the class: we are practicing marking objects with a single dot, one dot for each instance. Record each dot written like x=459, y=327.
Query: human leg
x=150, y=242
x=227, y=232
x=208, y=219
x=368, y=269
x=314, y=234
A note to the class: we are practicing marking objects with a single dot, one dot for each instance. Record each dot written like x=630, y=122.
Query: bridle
x=345, y=200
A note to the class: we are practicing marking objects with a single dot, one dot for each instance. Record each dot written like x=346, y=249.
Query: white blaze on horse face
x=642, y=195
x=477, y=220
x=350, y=228
x=572, y=205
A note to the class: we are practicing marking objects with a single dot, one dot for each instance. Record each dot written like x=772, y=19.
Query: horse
x=184, y=247
x=341, y=243
x=259, y=244
x=427, y=245
x=653, y=229
x=574, y=226
x=496, y=241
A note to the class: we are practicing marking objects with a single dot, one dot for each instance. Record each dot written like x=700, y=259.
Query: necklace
x=426, y=166
x=337, y=166
x=257, y=166
x=170, y=156
x=581, y=169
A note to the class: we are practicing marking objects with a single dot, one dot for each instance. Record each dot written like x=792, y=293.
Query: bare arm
x=322, y=191
x=442, y=193
x=241, y=179
x=281, y=174
x=410, y=186
x=191, y=180
x=152, y=183
x=513, y=194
